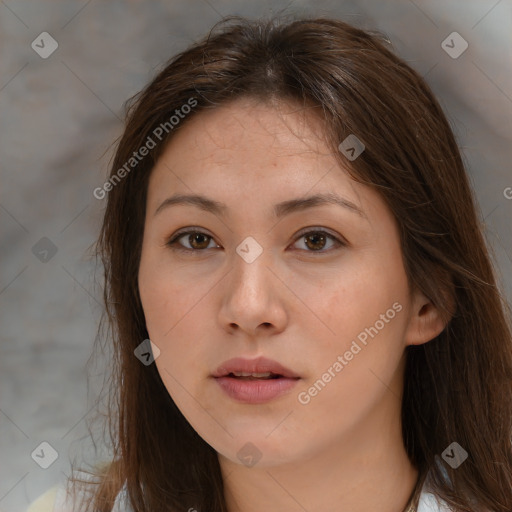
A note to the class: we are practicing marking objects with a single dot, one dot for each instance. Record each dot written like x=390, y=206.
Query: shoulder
x=54, y=499
x=431, y=503
x=45, y=502
x=62, y=498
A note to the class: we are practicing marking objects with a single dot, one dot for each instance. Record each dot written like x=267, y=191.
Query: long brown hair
x=458, y=386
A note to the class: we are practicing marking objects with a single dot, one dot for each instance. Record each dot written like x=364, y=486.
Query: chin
x=259, y=450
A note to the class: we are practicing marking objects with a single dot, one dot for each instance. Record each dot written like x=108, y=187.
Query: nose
x=253, y=297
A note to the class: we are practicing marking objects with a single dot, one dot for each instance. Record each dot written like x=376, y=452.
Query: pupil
x=195, y=237
x=316, y=236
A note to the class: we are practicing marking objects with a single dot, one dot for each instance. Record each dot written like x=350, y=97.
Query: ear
x=426, y=320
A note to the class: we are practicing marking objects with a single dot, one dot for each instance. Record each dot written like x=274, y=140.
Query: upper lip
x=258, y=365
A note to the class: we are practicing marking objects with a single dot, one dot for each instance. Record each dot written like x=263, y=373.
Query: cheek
x=362, y=311
x=172, y=310
x=347, y=303
x=165, y=300
x=353, y=370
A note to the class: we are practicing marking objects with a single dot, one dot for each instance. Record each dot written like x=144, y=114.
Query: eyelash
x=173, y=242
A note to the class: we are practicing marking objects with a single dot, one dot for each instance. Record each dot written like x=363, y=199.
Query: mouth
x=254, y=381
x=254, y=376
x=259, y=368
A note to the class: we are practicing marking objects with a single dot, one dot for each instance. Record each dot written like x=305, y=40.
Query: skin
x=343, y=450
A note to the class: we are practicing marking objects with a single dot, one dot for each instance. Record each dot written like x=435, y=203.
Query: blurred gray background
x=60, y=114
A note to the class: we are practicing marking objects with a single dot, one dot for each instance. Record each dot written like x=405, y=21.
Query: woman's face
x=317, y=287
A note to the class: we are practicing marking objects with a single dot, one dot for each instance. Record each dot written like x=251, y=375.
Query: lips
x=261, y=367
x=254, y=381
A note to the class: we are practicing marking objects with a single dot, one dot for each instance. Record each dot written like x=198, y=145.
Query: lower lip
x=255, y=391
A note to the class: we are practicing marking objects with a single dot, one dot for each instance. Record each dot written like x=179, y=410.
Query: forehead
x=247, y=138
x=242, y=120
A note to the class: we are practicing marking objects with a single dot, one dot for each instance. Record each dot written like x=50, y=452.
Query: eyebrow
x=280, y=209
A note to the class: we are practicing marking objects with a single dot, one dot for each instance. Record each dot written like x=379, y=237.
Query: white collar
x=431, y=503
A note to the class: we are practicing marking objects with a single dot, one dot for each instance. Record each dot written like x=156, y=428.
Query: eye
x=315, y=240
x=197, y=240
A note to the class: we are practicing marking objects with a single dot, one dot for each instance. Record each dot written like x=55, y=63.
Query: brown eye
x=197, y=240
x=316, y=241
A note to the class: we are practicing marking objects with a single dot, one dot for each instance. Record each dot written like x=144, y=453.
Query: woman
x=290, y=223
